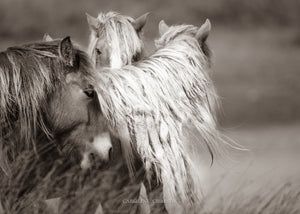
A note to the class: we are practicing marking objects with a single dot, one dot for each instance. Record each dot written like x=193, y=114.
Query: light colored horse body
x=149, y=104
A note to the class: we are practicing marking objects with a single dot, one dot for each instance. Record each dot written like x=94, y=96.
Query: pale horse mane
x=148, y=104
x=125, y=41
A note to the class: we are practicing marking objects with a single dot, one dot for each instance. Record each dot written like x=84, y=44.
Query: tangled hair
x=148, y=105
x=121, y=32
x=29, y=76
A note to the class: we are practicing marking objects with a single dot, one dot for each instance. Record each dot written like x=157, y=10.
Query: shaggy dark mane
x=29, y=75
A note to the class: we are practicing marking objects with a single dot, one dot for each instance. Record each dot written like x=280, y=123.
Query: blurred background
x=256, y=46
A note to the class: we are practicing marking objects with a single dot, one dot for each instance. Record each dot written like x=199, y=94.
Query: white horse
x=116, y=40
x=153, y=105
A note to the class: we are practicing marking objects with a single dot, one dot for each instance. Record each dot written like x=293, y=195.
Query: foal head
x=115, y=39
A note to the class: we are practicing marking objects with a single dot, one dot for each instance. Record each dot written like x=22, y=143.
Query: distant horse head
x=115, y=39
x=47, y=96
x=155, y=104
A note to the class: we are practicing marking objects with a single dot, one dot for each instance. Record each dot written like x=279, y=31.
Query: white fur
x=149, y=104
x=118, y=32
x=100, y=146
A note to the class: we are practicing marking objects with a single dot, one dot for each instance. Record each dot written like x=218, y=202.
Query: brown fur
x=42, y=104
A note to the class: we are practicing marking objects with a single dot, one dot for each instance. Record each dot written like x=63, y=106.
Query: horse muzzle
x=98, y=151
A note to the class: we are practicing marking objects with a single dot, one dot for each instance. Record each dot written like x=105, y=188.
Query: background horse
x=153, y=106
x=115, y=39
x=47, y=109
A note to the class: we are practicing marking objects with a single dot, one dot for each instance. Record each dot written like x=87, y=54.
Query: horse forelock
x=117, y=32
x=29, y=75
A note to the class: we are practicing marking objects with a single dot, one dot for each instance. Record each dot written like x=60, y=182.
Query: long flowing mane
x=29, y=75
x=148, y=105
x=119, y=31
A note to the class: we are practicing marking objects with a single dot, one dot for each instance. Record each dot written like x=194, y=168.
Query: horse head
x=115, y=39
x=47, y=99
x=92, y=138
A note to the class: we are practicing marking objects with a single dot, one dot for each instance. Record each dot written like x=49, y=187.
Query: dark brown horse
x=48, y=111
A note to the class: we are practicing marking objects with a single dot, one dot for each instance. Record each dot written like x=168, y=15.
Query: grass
x=264, y=180
x=279, y=198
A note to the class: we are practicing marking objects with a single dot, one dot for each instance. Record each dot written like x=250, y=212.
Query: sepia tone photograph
x=149, y=107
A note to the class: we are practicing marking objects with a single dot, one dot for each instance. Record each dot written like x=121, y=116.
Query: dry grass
x=264, y=186
x=247, y=197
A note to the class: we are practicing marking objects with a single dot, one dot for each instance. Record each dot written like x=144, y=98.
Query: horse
x=115, y=39
x=48, y=112
x=153, y=105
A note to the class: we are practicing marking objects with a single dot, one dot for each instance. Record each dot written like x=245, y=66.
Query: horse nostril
x=110, y=154
x=92, y=156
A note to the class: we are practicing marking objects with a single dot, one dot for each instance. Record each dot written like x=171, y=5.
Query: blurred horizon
x=256, y=45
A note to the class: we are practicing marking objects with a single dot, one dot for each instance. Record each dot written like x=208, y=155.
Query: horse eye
x=90, y=93
x=98, y=51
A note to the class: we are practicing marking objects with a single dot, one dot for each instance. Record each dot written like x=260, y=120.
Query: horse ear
x=140, y=22
x=92, y=22
x=203, y=31
x=66, y=51
x=47, y=38
x=162, y=27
